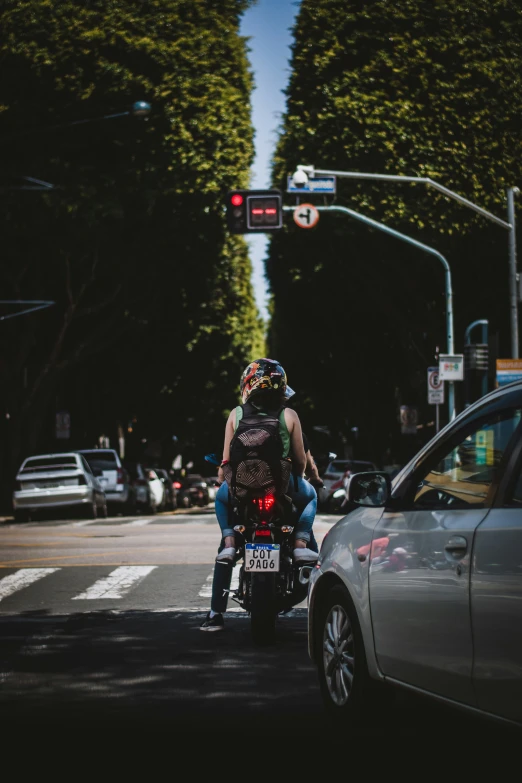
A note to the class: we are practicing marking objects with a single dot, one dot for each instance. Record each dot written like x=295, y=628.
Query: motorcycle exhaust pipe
x=305, y=573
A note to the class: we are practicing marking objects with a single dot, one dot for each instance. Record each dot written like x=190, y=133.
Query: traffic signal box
x=250, y=211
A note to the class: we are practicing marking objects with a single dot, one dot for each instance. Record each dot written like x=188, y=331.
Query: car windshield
x=50, y=463
x=104, y=460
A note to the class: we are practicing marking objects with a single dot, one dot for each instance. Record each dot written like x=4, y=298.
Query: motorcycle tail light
x=265, y=503
x=176, y=485
x=263, y=532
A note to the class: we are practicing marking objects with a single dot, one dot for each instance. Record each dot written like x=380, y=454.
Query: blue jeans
x=305, y=500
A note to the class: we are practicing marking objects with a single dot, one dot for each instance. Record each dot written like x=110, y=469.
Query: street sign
x=508, y=370
x=435, y=387
x=306, y=216
x=63, y=425
x=314, y=185
x=451, y=367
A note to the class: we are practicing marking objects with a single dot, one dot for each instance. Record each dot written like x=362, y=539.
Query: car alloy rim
x=338, y=655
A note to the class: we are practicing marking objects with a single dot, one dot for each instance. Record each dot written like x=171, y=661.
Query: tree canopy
x=428, y=89
x=155, y=315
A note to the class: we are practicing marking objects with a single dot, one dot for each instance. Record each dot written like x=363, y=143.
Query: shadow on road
x=156, y=673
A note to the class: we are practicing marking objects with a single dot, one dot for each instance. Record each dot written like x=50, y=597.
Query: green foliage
x=429, y=89
x=154, y=299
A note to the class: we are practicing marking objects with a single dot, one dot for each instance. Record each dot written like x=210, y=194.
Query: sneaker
x=226, y=555
x=305, y=554
x=215, y=623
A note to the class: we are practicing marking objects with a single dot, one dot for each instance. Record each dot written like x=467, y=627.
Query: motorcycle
x=270, y=582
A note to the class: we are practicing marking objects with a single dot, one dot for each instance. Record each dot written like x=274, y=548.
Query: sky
x=268, y=25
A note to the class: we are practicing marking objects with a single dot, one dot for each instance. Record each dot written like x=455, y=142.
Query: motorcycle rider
x=263, y=387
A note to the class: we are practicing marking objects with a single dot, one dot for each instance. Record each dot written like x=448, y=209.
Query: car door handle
x=456, y=545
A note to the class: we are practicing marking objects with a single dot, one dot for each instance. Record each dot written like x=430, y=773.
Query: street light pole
x=510, y=226
x=513, y=281
x=427, y=249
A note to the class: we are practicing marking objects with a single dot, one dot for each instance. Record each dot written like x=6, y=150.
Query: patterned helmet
x=261, y=375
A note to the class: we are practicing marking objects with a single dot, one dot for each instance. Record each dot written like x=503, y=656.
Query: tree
x=155, y=313
x=424, y=89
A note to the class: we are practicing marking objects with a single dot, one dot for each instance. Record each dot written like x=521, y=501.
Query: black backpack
x=257, y=465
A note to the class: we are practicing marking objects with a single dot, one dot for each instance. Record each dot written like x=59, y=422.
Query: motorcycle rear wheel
x=263, y=610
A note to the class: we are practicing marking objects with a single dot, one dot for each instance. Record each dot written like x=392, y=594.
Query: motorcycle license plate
x=262, y=557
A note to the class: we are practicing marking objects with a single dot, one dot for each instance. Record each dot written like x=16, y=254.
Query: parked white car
x=421, y=585
x=57, y=481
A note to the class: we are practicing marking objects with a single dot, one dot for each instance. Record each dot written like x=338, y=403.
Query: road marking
x=137, y=523
x=117, y=584
x=84, y=522
x=206, y=590
x=22, y=578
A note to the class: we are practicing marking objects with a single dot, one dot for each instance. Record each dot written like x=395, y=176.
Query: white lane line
x=84, y=522
x=22, y=578
x=137, y=523
x=117, y=584
x=206, y=590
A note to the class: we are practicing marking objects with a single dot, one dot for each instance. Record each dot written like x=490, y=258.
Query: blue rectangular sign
x=314, y=185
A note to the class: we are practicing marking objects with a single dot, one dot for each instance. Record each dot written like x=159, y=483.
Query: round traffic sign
x=306, y=216
x=434, y=381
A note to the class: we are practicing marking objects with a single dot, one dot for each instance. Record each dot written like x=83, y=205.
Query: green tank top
x=283, y=429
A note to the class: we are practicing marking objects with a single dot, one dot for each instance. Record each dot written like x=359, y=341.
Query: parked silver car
x=113, y=477
x=53, y=481
x=421, y=585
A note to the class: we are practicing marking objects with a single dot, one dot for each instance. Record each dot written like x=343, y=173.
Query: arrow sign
x=306, y=216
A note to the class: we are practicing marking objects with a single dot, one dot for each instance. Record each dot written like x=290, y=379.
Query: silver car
x=421, y=585
x=57, y=481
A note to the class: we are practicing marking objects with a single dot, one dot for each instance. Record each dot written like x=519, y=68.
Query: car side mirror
x=369, y=489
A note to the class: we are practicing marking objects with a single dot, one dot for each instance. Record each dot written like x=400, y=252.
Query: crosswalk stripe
x=206, y=590
x=117, y=584
x=22, y=578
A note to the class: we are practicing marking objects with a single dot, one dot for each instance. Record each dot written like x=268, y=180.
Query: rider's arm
x=311, y=467
x=296, y=440
x=229, y=434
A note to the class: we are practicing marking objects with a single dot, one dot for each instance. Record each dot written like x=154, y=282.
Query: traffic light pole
x=311, y=171
x=427, y=249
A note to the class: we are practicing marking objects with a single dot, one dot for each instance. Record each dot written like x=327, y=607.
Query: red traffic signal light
x=250, y=211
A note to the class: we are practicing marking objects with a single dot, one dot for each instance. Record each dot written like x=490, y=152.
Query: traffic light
x=250, y=211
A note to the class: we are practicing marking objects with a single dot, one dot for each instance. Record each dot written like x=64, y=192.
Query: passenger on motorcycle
x=264, y=391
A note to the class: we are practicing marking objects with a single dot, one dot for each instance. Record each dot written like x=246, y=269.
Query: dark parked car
x=145, y=499
x=193, y=491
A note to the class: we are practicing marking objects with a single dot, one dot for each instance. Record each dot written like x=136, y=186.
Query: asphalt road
x=99, y=624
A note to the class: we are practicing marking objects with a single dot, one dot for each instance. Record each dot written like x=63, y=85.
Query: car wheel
x=348, y=692
x=91, y=511
x=22, y=516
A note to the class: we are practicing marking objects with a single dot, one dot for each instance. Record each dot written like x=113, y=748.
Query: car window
x=463, y=476
x=50, y=463
x=104, y=460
